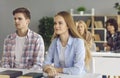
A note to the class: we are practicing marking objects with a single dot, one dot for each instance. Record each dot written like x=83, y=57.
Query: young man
x=24, y=48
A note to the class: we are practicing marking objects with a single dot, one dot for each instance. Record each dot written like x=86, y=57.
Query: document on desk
x=88, y=75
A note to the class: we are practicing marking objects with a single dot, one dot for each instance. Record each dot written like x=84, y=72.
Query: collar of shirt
x=15, y=34
x=69, y=41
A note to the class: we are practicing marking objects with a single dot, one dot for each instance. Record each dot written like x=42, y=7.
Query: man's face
x=20, y=21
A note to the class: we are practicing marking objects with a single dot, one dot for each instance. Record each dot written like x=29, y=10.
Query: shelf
x=98, y=28
x=82, y=15
x=99, y=41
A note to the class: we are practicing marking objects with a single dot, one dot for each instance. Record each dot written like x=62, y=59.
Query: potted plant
x=117, y=7
x=46, y=30
x=81, y=9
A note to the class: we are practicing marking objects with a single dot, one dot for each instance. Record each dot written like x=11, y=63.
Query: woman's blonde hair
x=85, y=28
x=73, y=32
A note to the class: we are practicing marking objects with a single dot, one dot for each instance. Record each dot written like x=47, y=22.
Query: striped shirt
x=33, y=51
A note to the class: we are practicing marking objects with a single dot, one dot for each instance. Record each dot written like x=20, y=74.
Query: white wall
x=40, y=8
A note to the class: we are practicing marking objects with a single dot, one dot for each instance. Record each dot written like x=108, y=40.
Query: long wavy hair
x=85, y=28
x=74, y=33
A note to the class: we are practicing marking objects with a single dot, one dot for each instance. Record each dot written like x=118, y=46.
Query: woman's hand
x=50, y=70
x=107, y=47
x=59, y=70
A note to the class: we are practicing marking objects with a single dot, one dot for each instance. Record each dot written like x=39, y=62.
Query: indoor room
x=98, y=16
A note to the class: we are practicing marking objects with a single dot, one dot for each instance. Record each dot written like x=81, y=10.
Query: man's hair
x=23, y=10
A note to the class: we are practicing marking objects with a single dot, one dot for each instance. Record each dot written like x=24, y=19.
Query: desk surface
x=105, y=54
x=88, y=75
x=23, y=70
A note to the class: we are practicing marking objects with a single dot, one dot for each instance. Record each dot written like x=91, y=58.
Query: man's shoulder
x=11, y=36
x=78, y=39
x=34, y=34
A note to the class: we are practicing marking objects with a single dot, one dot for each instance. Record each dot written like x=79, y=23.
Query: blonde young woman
x=83, y=31
x=67, y=51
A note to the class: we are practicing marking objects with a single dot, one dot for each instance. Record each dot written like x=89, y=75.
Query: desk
x=23, y=70
x=106, y=63
x=105, y=54
x=88, y=75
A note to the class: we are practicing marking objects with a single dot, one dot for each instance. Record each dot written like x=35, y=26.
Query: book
x=32, y=75
x=88, y=23
x=10, y=74
x=97, y=49
x=97, y=37
x=98, y=24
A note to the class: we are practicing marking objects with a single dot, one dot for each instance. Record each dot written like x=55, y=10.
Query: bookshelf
x=99, y=29
x=96, y=25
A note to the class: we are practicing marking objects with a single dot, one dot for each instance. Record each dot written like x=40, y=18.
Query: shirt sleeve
x=38, y=54
x=49, y=57
x=5, y=57
x=79, y=65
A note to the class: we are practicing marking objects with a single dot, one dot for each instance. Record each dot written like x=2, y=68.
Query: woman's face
x=81, y=28
x=60, y=26
x=110, y=28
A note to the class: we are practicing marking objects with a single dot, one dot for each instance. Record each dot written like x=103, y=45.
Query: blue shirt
x=74, y=55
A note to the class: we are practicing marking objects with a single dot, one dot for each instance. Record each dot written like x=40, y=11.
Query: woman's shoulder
x=54, y=41
x=118, y=32
x=88, y=33
x=77, y=40
x=78, y=43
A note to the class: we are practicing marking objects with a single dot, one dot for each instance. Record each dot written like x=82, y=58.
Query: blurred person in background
x=113, y=36
x=83, y=31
